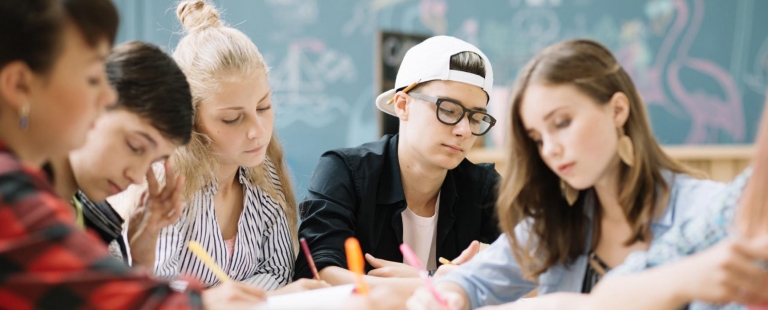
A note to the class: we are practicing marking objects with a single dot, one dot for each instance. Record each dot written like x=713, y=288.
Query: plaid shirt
x=692, y=236
x=47, y=262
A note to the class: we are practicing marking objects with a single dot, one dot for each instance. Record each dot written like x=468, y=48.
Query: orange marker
x=356, y=263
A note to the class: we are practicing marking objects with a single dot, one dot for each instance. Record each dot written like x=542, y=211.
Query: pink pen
x=414, y=261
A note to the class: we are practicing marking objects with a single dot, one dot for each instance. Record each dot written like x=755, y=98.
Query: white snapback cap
x=431, y=60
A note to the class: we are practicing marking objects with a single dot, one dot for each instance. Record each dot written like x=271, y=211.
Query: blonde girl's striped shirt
x=263, y=254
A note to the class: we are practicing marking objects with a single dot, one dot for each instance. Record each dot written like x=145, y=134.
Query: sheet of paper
x=325, y=298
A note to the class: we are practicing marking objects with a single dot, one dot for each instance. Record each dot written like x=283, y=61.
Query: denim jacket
x=692, y=236
x=494, y=277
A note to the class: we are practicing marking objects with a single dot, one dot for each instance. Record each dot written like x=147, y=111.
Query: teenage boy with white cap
x=415, y=187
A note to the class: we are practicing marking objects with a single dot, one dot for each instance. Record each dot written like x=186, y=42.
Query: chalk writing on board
x=537, y=27
x=292, y=16
x=429, y=14
x=363, y=19
x=301, y=79
x=525, y=33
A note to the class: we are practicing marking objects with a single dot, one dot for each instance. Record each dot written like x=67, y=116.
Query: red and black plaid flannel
x=47, y=262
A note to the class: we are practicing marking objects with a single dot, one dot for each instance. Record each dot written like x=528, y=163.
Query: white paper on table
x=324, y=298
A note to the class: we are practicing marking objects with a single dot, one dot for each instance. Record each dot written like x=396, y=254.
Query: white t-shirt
x=419, y=234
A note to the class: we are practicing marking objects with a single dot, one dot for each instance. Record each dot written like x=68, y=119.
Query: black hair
x=469, y=62
x=33, y=29
x=150, y=83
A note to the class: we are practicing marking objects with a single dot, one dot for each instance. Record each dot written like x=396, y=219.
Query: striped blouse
x=263, y=254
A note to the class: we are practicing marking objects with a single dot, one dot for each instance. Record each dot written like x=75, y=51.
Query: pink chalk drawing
x=635, y=54
x=661, y=13
x=707, y=111
x=649, y=80
x=757, y=80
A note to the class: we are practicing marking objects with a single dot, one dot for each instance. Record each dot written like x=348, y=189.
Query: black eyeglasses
x=450, y=112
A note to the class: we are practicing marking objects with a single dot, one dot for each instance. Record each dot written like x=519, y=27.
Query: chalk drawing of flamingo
x=757, y=80
x=708, y=112
x=649, y=80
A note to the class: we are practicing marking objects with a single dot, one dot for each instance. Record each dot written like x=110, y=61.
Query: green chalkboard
x=701, y=65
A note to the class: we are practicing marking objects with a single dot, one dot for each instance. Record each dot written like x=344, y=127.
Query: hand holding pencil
x=203, y=255
x=228, y=294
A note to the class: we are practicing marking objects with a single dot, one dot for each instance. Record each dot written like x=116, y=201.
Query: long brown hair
x=530, y=192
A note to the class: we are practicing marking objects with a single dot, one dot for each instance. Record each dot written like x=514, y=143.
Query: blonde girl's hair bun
x=198, y=15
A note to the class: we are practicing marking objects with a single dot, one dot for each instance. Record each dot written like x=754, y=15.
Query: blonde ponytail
x=198, y=15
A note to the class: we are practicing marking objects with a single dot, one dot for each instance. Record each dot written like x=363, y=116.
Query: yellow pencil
x=406, y=90
x=444, y=261
x=198, y=250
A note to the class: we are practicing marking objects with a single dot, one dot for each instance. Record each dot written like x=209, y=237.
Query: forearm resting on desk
x=338, y=276
x=640, y=291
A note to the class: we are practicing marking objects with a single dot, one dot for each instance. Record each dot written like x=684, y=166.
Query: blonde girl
x=239, y=201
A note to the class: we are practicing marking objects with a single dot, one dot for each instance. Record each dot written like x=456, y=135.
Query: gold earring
x=24, y=116
x=569, y=193
x=625, y=149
